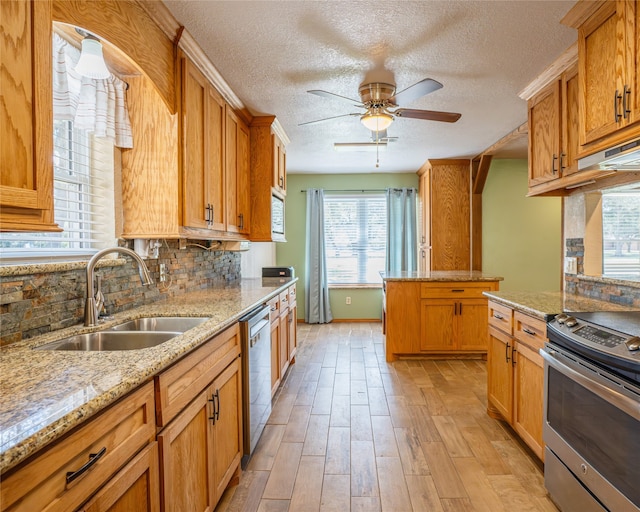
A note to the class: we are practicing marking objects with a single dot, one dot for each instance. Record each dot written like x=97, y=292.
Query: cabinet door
x=437, y=324
x=135, y=487
x=544, y=135
x=601, y=57
x=500, y=373
x=237, y=174
x=275, y=357
x=227, y=445
x=529, y=393
x=279, y=164
x=472, y=324
x=283, y=348
x=26, y=122
x=292, y=341
x=633, y=59
x=187, y=458
x=570, y=122
x=425, y=220
x=214, y=151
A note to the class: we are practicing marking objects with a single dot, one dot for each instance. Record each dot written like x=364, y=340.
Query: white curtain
x=98, y=106
x=402, y=243
x=316, y=298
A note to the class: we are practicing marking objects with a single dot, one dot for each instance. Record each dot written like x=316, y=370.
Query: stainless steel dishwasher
x=255, y=330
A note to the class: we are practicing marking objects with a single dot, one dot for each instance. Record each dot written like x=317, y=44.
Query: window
x=83, y=200
x=621, y=233
x=355, y=237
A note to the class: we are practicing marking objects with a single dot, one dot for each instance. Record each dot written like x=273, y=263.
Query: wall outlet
x=163, y=272
x=348, y=300
x=570, y=265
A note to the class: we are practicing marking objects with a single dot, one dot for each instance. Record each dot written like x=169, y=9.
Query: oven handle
x=624, y=403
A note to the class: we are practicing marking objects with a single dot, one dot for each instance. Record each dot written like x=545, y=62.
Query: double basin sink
x=134, y=334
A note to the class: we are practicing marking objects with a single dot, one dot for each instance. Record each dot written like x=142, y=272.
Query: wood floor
x=351, y=432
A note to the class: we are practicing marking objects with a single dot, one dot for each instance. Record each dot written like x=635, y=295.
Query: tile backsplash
x=53, y=298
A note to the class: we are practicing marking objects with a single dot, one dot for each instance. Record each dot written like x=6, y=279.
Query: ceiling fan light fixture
x=91, y=63
x=376, y=121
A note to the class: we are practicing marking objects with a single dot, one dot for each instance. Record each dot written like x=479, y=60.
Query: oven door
x=592, y=425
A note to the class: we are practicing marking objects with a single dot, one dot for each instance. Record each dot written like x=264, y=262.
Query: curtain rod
x=361, y=190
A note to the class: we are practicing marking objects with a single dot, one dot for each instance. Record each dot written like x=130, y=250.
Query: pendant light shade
x=377, y=121
x=91, y=63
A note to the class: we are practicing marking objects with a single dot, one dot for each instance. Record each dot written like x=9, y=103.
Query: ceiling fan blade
x=429, y=115
x=415, y=91
x=329, y=118
x=331, y=95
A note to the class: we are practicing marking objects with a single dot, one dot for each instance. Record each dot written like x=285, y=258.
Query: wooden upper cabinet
x=279, y=165
x=203, y=121
x=570, y=143
x=608, y=67
x=26, y=122
x=544, y=134
x=237, y=167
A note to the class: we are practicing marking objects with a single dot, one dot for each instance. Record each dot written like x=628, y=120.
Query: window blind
x=77, y=196
x=621, y=233
x=355, y=237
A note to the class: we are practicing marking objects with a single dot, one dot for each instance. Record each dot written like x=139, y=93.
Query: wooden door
x=243, y=178
x=135, y=487
x=283, y=345
x=472, y=324
x=275, y=356
x=570, y=139
x=187, y=458
x=195, y=195
x=601, y=58
x=450, y=215
x=500, y=373
x=528, y=397
x=214, y=153
x=227, y=445
x=633, y=59
x=437, y=324
x=26, y=122
x=544, y=135
x=292, y=339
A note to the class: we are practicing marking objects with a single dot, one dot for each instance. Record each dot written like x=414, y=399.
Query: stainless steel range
x=592, y=411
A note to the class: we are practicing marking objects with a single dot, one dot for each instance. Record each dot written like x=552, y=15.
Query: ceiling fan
x=382, y=104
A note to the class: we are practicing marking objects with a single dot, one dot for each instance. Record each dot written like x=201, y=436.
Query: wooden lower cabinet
x=515, y=374
x=275, y=355
x=201, y=448
x=135, y=487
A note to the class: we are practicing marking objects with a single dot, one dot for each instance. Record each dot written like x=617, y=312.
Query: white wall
x=260, y=254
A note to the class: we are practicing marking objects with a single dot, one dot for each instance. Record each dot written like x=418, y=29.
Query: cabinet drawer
x=453, y=290
x=47, y=482
x=284, y=302
x=274, y=308
x=292, y=295
x=501, y=317
x=530, y=331
x=176, y=386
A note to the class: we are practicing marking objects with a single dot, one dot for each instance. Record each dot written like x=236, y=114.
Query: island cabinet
x=515, y=374
x=114, y=454
x=438, y=317
x=26, y=122
x=200, y=416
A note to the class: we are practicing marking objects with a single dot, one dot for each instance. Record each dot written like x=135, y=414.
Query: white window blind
x=79, y=196
x=621, y=233
x=355, y=237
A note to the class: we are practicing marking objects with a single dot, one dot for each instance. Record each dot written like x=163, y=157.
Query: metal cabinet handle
x=93, y=458
x=241, y=216
x=528, y=331
x=562, y=156
x=553, y=164
x=460, y=308
x=207, y=213
x=513, y=355
x=616, y=99
x=626, y=101
x=499, y=317
x=216, y=412
x=218, y=408
x=506, y=352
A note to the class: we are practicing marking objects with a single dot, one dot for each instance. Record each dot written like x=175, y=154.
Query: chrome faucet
x=91, y=310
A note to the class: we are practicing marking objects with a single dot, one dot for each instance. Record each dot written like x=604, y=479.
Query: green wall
x=521, y=236
x=365, y=303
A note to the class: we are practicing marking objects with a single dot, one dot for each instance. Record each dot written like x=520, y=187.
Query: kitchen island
x=48, y=393
x=442, y=313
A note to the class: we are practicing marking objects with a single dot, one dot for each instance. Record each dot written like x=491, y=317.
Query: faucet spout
x=90, y=306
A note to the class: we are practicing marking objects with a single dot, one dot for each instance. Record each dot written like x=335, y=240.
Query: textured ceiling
x=483, y=52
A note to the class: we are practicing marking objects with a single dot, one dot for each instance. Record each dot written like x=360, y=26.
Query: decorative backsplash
x=44, y=301
x=625, y=293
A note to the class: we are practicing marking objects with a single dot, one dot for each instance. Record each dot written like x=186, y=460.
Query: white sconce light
x=91, y=63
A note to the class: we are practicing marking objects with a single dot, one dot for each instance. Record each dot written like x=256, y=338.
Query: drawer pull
x=498, y=316
x=506, y=352
x=93, y=458
x=458, y=290
x=528, y=331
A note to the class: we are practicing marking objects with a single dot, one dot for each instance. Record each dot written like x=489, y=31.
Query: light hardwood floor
x=351, y=432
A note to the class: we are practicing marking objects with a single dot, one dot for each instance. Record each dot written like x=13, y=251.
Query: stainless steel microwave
x=277, y=215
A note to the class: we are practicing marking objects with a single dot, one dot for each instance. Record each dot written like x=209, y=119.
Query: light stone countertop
x=439, y=275
x=46, y=393
x=545, y=305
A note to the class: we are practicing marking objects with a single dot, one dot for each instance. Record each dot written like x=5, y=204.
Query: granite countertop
x=46, y=393
x=545, y=305
x=439, y=275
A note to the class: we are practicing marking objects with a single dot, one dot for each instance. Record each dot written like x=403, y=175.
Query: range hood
x=625, y=157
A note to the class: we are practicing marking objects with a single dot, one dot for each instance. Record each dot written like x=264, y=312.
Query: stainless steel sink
x=111, y=340
x=161, y=323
